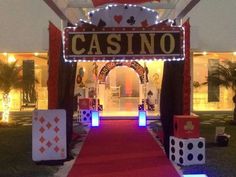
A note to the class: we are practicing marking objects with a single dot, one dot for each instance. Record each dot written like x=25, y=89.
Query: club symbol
x=131, y=20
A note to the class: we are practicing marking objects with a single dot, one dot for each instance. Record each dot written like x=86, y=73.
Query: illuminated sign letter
x=113, y=43
x=74, y=40
x=163, y=43
x=94, y=44
x=148, y=44
x=130, y=43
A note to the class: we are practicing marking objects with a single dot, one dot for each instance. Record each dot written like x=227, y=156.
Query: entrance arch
x=139, y=69
x=105, y=70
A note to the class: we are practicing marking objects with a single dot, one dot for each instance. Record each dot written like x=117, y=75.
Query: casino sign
x=119, y=44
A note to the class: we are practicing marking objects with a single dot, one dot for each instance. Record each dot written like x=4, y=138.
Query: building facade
x=24, y=37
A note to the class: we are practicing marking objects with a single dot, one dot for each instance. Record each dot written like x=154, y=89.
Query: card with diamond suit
x=49, y=135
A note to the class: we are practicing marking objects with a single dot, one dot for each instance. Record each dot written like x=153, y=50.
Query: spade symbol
x=101, y=23
x=131, y=20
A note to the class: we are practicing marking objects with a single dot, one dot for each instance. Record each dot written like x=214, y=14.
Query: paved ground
x=25, y=117
x=22, y=118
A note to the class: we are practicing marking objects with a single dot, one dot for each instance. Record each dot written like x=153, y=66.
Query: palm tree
x=225, y=75
x=10, y=78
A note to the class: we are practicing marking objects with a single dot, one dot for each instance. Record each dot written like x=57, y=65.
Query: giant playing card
x=49, y=135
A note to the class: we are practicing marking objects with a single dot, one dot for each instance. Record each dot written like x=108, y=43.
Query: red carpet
x=119, y=148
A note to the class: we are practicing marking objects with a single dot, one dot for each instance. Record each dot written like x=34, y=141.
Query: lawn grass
x=16, y=154
x=220, y=161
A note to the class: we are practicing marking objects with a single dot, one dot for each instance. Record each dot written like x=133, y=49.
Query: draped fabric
x=171, y=102
x=61, y=79
x=187, y=75
x=54, y=54
x=102, y=2
x=67, y=72
x=175, y=91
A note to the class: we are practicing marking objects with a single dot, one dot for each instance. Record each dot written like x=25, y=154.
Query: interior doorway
x=122, y=88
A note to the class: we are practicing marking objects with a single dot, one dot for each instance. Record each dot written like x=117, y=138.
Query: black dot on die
x=173, y=150
x=200, y=145
x=190, y=146
x=84, y=112
x=85, y=119
x=173, y=157
x=181, y=152
x=87, y=114
x=200, y=157
x=173, y=142
x=190, y=157
x=181, y=144
x=181, y=160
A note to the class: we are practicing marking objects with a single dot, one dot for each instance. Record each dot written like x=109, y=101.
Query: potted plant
x=10, y=78
x=225, y=75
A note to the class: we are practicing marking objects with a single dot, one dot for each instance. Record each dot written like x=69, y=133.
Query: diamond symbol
x=41, y=129
x=56, y=129
x=56, y=149
x=48, y=125
x=42, y=149
x=41, y=119
x=41, y=139
x=49, y=144
x=56, y=119
x=56, y=139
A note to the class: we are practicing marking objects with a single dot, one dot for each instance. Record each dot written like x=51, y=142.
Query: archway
x=121, y=87
x=129, y=40
x=139, y=69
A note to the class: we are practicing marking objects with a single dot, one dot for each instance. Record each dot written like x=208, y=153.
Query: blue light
x=197, y=175
x=95, y=118
x=142, y=118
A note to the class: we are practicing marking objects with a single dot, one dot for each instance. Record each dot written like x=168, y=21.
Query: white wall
x=24, y=25
x=213, y=25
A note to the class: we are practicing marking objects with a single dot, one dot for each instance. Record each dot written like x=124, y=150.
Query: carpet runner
x=119, y=148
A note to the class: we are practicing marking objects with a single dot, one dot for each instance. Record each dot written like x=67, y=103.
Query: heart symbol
x=118, y=18
x=101, y=23
x=144, y=23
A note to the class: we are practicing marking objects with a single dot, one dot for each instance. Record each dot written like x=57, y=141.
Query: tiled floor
x=124, y=106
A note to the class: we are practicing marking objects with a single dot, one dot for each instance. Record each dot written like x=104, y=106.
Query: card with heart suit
x=123, y=16
x=49, y=135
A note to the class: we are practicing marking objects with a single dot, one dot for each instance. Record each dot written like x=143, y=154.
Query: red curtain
x=102, y=2
x=55, y=47
x=187, y=76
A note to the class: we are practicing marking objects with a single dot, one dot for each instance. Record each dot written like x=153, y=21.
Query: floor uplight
x=95, y=118
x=195, y=175
x=142, y=118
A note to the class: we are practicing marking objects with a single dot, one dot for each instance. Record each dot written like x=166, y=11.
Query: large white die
x=85, y=115
x=187, y=151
